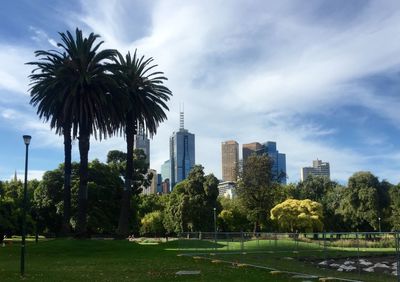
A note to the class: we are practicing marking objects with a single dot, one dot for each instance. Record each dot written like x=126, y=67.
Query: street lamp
x=27, y=140
x=215, y=225
x=379, y=219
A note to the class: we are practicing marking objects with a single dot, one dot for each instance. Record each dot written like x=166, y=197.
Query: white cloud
x=248, y=71
x=234, y=75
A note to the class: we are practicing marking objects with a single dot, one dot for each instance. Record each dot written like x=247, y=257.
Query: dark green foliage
x=395, y=208
x=315, y=188
x=233, y=217
x=191, y=203
x=256, y=189
x=152, y=224
x=11, y=197
x=363, y=201
x=326, y=192
x=104, y=189
x=141, y=178
x=151, y=203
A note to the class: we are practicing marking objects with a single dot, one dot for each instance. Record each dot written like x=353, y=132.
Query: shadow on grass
x=182, y=245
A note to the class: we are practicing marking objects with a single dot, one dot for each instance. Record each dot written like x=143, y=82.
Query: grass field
x=103, y=260
x=293, y=256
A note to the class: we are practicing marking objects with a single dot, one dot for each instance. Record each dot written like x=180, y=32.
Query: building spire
x=181, y=117
x=15, y=175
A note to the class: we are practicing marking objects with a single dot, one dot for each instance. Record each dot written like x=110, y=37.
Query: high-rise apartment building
x=142, y=142
x=319, y=168
x=182, y=153
x=230, y=160
x=268, y=148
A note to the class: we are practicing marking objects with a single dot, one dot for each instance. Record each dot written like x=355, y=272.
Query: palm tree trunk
x=83, y=177
x=123, y=223
x=66, y=229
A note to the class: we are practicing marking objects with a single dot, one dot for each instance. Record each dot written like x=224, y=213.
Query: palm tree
x=147, y=102
x=86, y=100
x=48, y=94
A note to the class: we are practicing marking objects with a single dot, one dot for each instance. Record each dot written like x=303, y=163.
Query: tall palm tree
x=146, y=105
x=87, y=101
x=48, y=94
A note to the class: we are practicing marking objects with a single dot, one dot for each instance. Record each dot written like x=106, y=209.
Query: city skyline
x=311, y=78
x=182, y=152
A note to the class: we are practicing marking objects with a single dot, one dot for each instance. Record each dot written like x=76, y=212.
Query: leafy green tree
x=176, y=213
x=151, y=203
x=190, y=205
x=152, y=223
x=233, y=216
x=323, y=190
x=145, y=105
x=298, y=215
x=140, y=176
x=394, y=218
x=315, y=188
x=11, y=198
x=256, y=188
x=333, y=219
x=117, y=159
x=104, y=189
x=48, y=200
x=362, y=203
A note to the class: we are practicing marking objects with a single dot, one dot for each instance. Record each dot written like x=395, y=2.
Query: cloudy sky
x=321, y=78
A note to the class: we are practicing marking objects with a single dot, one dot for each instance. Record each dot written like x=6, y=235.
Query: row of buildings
x=182, y=159
x=231, y=161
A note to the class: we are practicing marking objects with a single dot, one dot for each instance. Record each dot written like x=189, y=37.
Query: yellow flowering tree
x=298, y=215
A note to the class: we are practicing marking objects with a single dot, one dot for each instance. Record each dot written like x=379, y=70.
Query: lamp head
x=27, y=139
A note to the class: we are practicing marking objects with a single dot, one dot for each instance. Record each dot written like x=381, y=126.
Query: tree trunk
x=83, y=180
x=66, y=228
x=124, y=216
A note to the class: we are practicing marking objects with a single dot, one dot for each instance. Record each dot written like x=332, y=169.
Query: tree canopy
x=298, y=216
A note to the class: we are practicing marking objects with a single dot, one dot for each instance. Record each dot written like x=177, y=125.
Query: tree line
x=262, y=204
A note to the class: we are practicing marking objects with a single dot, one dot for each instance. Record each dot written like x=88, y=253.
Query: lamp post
x=379, y=219
x=27, y=140
x=215, y=225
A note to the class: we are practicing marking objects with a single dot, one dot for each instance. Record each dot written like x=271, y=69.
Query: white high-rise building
x=319, y=168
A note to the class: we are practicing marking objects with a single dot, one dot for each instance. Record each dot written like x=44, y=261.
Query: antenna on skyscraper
x=181, y=116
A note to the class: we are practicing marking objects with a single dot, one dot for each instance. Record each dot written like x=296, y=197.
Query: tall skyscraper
x=268, y=148
x=230, y=160
x=142, y=142
x=182, y=153
x=319, y=168
x=166, y=170
x=166, y=174
x=278, y=161
x=248, y=149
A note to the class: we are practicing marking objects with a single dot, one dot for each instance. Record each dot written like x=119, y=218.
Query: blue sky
x=321, y=78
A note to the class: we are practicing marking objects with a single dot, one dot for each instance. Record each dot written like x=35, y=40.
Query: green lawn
x=288, y=255
x=98, y=260
x=105, y=260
